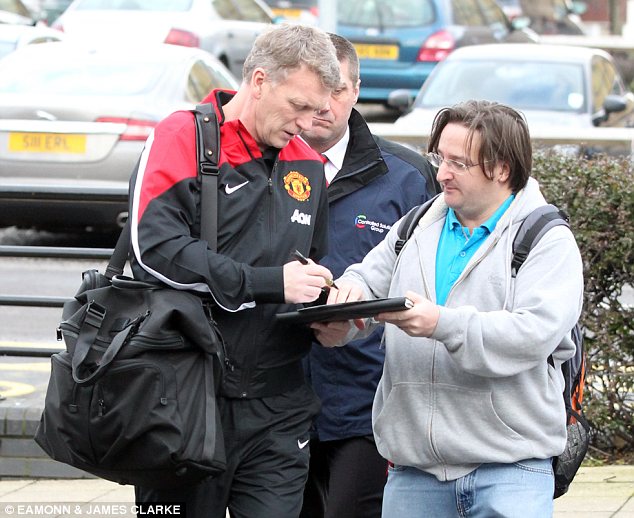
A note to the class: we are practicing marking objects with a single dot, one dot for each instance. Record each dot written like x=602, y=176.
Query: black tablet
x=345, y=310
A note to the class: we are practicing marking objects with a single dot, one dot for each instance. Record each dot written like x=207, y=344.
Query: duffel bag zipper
x=222, y=355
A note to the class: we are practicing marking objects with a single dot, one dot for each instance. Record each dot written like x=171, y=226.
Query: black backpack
x=536, y=224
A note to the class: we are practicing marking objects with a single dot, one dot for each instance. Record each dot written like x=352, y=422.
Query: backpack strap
x=536, y=224
x=409, y=222
x=208, y=151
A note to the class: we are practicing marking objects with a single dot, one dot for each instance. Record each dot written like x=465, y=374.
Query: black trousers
x=267, y=461
x=345, y=480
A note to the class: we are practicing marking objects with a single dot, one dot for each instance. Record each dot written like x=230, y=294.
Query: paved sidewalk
x=601, y=492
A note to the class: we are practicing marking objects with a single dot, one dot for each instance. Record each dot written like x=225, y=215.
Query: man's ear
x=356, y=91
x=258, y=78
x=504, y=172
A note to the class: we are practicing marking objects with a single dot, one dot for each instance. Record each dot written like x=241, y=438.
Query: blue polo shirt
x=456, y=247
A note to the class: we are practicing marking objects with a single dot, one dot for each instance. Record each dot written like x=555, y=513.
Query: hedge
x=598, y=195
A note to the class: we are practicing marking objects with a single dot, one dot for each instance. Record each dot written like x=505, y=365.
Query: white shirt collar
x=335, y=156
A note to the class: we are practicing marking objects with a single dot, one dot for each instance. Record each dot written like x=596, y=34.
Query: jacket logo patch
x=300, y=217
x=297, y=186
x=361, y=221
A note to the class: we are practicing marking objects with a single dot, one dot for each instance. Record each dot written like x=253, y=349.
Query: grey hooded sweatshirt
x=480, y=389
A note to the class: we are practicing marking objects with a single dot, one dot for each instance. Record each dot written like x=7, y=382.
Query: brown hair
x=503, y=132
x=347, y=52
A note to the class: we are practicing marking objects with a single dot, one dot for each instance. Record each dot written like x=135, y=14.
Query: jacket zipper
x=433, y=372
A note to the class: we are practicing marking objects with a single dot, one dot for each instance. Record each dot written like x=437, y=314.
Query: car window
x=202, y=79
x=531, y=86
x=467, y=12
x=493, y=15
x=251, y=11
x=15, y=6
x=134, y=5
x=386, y=13
x=605, y=80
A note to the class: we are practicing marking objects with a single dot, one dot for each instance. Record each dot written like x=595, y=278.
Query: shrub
x=598, y=195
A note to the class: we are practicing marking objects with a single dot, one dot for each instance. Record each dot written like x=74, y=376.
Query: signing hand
x=303, y=282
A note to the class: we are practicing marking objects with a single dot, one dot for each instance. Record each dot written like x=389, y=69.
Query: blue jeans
x=519, y=490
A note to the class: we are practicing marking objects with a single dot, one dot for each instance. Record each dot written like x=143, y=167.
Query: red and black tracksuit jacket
x=268, y=206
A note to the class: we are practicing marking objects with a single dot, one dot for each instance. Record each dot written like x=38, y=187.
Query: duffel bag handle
x=80, y=356
x=94, y=317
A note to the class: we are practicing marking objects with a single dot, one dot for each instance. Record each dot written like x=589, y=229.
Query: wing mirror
x=611, y=104
x=400, y=99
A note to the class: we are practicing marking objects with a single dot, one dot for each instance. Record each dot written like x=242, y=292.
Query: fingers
x=303, y=282
x=331, y=334
x=345, y=292
x=420, y=320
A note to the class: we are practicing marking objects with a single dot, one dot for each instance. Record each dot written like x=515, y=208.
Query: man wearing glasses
x=469, y=410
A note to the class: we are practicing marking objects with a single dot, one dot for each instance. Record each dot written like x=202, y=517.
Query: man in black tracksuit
x=271, y=201
x=372, y=183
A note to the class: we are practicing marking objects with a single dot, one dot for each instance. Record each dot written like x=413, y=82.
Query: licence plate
x=367, y=51
x=46, y=143
x=293, y=14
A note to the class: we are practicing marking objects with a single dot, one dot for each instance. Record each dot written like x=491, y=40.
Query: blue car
x=401, y=41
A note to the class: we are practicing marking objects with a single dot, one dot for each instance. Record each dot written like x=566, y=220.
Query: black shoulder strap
x=409, y=222
x=207, y=147
x=536, y=224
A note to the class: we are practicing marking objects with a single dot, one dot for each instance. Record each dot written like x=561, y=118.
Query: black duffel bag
x=133, y=397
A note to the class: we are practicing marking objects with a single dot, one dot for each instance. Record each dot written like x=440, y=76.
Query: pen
x=302, y=259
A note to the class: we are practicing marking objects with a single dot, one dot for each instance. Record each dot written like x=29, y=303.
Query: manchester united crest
x=297, y=186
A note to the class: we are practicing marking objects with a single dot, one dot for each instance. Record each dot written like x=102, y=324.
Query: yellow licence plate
x=292, y=14
x=46, y=143
x=377, y=51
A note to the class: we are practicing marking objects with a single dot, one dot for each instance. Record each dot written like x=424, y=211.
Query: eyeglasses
x=456, y=167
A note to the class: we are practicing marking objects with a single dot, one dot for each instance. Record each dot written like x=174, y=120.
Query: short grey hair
x=286, y=47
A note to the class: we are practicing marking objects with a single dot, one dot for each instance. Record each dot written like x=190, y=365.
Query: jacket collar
x=363, y=162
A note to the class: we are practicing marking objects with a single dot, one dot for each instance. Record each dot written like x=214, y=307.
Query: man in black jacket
x=372, y=182
x=271, y=202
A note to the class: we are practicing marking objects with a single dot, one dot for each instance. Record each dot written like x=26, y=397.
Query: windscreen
x=134, y=5
x=533, y=86
x=386, y=13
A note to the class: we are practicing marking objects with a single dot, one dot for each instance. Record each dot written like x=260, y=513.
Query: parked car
x=561, y=88
x=224, y=28
x=399, y=42
x=296, y=11
x=14, y=36
x=14, y=11
x=74, y=120
x=548, y=16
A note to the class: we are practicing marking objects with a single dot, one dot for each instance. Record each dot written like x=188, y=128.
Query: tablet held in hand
x=345, y=310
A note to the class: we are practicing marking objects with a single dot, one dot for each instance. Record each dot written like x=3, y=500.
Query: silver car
x=224, y=28
x=74, y=120
x=14, y=36
x=560, y=89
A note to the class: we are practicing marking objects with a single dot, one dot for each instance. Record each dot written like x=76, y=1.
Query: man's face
x=473, y=196
x=286, y=109
x=329, y=125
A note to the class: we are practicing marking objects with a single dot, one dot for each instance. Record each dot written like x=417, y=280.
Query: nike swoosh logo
x=302, y=444
x=230, y=190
